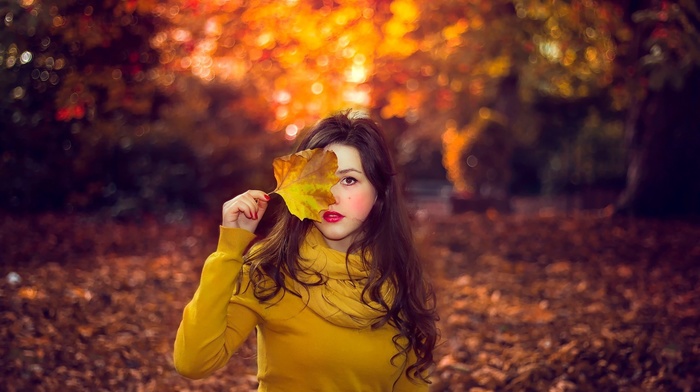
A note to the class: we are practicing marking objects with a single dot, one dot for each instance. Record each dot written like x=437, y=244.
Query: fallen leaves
x=526, y=303
x=563, y=304
x=304, y=181
x=103, y=319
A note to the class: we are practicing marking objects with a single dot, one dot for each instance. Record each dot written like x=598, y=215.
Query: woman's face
x=354, y=197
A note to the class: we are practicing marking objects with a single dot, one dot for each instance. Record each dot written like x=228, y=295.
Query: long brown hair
x=412, y=311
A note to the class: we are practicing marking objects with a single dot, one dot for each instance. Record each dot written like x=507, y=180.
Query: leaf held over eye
x=304, y=181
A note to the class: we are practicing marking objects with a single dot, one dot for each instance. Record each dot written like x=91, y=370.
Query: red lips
x=332, y=216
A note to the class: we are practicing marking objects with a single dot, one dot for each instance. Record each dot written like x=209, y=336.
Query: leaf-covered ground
x=578, y=303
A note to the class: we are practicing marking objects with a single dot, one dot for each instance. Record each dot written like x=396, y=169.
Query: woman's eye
x=348, y=181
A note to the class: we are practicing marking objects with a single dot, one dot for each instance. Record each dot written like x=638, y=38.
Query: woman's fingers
x=256, y=201
x=249, y=207
x=251, y=204
x=259, y=195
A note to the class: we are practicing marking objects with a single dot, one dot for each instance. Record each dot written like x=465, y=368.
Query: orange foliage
x=304, y=60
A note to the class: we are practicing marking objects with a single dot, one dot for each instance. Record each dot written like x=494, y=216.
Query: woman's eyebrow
x=348, y=170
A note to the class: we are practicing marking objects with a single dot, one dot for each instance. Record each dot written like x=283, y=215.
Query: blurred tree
x=303, y=58
x=74, y=71
x=523, y=59
x=93, y=118
x=663, y=125
x=206, y=92
x=482, y=69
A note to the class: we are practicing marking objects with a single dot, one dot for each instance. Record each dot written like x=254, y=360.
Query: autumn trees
x=95, y=119
x=516, y=95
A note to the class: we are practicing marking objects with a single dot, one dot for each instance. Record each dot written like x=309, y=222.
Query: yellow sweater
x=298, y=349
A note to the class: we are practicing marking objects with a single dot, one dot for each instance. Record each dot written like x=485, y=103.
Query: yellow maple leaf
x=304, y=181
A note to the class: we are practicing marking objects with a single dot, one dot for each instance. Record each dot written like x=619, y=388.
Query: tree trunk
x=663, y=176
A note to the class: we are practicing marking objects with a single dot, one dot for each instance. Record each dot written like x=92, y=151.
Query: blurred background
x=157, y=107
x=539, y=141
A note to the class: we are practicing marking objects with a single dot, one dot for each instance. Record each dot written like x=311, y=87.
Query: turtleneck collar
x=339, y=298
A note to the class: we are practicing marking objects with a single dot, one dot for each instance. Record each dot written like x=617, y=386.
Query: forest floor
x=579, y=302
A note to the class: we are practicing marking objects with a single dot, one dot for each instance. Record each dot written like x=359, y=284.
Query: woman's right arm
x=212, y=327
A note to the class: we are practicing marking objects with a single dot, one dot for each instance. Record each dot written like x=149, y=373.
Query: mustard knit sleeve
x=212, y=327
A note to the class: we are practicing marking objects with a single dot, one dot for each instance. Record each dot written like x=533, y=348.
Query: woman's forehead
x=348, y=156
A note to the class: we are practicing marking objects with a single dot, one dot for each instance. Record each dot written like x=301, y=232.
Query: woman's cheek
x=361, y=205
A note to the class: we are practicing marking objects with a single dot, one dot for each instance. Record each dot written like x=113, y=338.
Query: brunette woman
x=339, y=304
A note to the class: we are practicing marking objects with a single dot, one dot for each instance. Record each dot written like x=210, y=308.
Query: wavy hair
x=412, y=311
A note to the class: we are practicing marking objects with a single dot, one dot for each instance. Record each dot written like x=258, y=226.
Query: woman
x=340, y=304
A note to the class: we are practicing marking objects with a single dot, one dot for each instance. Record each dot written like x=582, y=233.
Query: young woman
x=338, y=305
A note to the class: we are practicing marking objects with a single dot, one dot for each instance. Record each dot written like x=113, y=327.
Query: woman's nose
x=335, y=191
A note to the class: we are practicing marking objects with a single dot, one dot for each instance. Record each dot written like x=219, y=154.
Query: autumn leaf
x=304, y=181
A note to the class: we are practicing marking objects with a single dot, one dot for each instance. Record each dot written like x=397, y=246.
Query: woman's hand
x=245, y=210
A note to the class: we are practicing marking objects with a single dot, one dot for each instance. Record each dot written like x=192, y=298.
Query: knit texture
x=339, y=300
